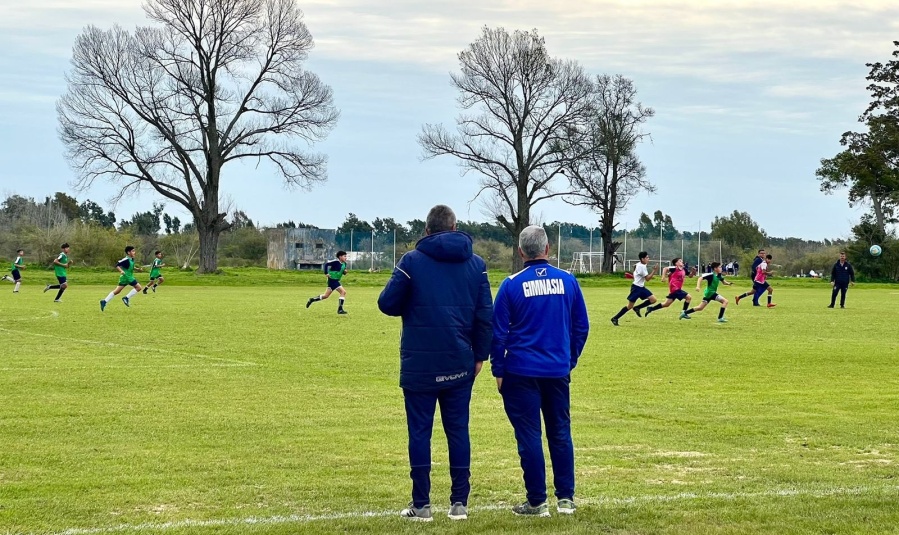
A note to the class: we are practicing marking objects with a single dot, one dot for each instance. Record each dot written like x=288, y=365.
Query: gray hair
x=533, y=241
x=440, y=219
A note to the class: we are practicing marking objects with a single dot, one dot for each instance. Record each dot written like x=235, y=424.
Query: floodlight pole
x=351, y=249
x=372, y=250
x=591, y=251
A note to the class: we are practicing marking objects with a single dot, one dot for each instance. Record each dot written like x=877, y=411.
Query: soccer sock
x=53, y=287
x=340, y=301
x=688, y=312
x=686, y=305
x=17, y=286
x=110, y=297
x=132, y=293
x=742, y=295
x=642, y=305
x=621, y=312
x=721, y=312
x=769, y=298
x=59, y=293
x=319, y=298
x=653, y=309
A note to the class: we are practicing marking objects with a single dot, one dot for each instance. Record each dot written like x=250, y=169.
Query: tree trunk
x=608, y=249
x=209, y=241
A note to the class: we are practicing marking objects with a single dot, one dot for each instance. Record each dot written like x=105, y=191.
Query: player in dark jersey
x=335, y=269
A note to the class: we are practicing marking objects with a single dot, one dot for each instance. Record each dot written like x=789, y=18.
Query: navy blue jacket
x=442, y=293
x=842, y=275
x=540, y=323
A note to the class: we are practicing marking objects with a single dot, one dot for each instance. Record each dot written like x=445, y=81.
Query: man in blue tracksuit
x=442, y=293
x=841, y=276
x=540, y=327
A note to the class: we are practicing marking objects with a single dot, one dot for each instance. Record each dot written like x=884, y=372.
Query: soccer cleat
x=614, y=322
x=422, y=514
x=737, y=300
x=526, y=509
x=309, y=302
x=458, y=512
x=341, y=311
x=145, y=291
x=648, y=310
x=566, y=506
x=722, y=320
x=829, y=306
x=153, y=288
x=683, y=315
x=57, y=300
x=771, y=305
x=102, y=305
x=47, y=288
x=5, y=278
x=126, y=301
x=637, y=312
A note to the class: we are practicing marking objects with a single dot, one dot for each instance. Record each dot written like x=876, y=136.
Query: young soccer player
x=335, y=270
x=711, y=293
x=18, y=264
x=155, y=273
x=125, y=268
x=61, y=268
x=638, y=288
x=760, y=284
x=675, y=275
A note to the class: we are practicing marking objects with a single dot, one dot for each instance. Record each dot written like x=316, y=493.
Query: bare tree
x=605, y=173
x=520, y=102
x=168, y=106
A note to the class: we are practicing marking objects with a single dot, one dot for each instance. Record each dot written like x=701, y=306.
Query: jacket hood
x=449, y=246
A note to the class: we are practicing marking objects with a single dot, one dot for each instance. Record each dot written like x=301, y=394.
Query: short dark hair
x=768, y=257
x=842, y=252
x=716, y=264
x=63, y=246
x=441, y=218
x=642, y=255
x=761, y=250
x=339, y=254
x=674, y=260
x=157, y=252
x=129, y=248
x=20, y=251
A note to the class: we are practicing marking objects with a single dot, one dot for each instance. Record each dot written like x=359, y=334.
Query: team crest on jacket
x=541, y=272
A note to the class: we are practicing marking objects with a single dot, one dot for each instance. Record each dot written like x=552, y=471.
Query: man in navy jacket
x=540, y=327
x=841, y=276
x=442, y=293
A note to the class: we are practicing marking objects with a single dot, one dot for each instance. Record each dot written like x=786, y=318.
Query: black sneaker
x=341, y=311
x=614, y=322
x=637, y=312
x=309, y=302
x=145, y=291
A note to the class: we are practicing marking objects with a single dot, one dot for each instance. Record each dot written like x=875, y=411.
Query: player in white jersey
x=639, y=289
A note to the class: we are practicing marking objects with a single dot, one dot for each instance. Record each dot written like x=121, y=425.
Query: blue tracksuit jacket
x=540, y=323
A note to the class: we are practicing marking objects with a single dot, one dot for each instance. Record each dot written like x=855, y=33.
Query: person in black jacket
x=442, y=293
x=842, y=276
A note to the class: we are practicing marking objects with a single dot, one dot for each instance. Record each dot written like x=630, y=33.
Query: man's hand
x=851, y=283
x=499, y=384
x=477, y=367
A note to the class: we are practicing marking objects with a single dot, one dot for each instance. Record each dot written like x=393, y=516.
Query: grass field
x=230, y=408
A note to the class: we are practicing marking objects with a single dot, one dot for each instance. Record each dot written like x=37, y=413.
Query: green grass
x=218, y=407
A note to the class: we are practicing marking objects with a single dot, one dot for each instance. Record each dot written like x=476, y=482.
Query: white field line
x=617, y=502
x=129, y=347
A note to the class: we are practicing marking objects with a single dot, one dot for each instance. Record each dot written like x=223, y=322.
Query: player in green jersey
x=711, y=293
x=126, y=269
x=61, y=268
x=16, y=277
x=155, y=273
x=335, y=269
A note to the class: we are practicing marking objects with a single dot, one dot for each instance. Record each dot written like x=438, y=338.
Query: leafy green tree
x=145, y=223
x=91, y=212
x=740, y=230
x=67, y=205
x=660, y=223
x=172, y=224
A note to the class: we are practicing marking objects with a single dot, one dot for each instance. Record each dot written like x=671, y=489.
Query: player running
x=335, y=269
x=16, y=277
x=156, y=273
x=711, y=293
x=638, y=288
x=760, y=284
x=675, y=274
x=61, y=269
x=126, y=268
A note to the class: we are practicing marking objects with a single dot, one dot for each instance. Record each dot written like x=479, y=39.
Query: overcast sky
x=749, y=96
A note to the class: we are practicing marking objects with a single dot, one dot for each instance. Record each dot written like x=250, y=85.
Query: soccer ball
x=875, y=250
